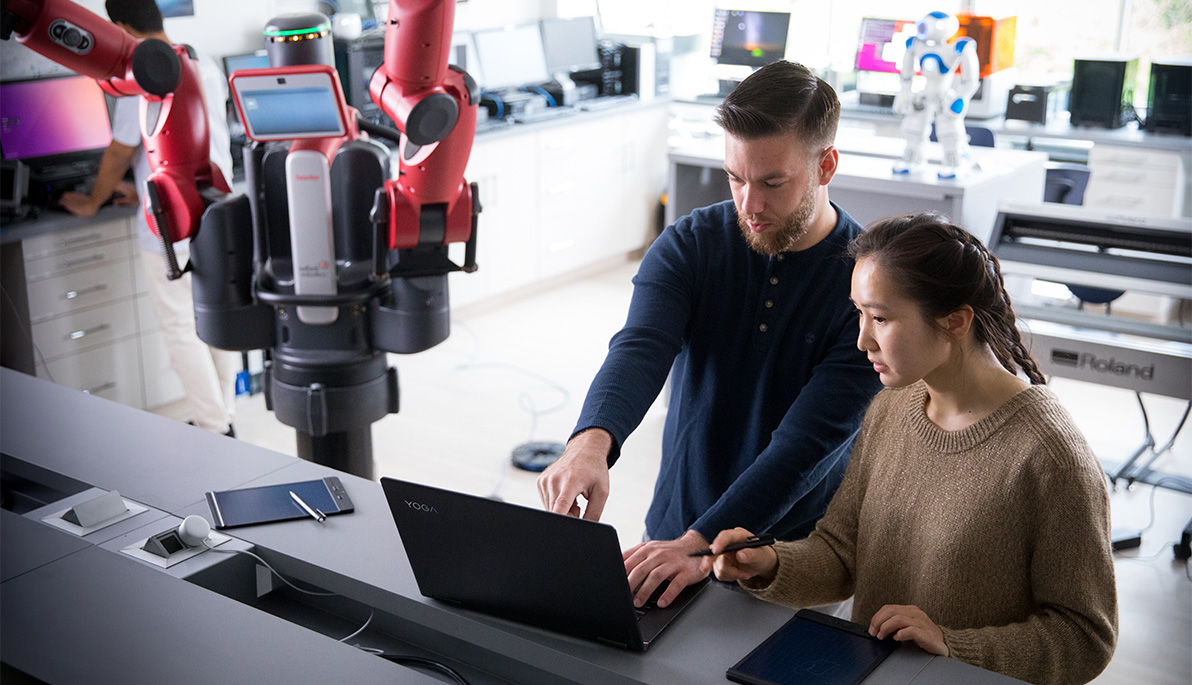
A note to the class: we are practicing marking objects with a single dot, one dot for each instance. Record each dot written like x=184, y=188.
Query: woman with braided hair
x=973, y=518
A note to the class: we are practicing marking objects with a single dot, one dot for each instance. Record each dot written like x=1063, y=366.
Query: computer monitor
x=512, y=57
x=246, y=60
x=570, y=45
x=51, y=121
x=748, y=38
x=463, y=55
x=881, y=43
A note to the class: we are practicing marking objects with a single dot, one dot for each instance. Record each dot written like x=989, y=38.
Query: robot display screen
x=752, y=39
x=881, y=43
x=289, y=106
x=570, y=44
x=512, y=58
x=52, y=117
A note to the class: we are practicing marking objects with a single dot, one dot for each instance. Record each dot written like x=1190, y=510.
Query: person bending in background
x=208, y=375
x=745, y=303
x=973, y=518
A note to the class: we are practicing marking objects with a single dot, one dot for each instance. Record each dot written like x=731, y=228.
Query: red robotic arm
x=173, y=111
x=434, y=106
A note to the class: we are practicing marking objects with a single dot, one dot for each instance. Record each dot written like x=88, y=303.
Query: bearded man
x=746, y=305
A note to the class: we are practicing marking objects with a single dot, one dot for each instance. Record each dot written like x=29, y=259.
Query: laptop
x=548, y=570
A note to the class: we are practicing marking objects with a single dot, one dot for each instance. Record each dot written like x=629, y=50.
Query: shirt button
x=773, y=280
x=763, y=328
x=769, y=304
x=779, y=257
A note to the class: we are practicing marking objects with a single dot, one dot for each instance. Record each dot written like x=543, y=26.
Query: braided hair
x=943, y=267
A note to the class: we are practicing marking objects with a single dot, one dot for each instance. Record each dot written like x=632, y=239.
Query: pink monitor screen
x=881, y=44
x=52, y=117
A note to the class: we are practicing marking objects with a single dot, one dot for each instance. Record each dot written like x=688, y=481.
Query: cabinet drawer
x=1152, y=200
x=73, y=260
x=79, y=289
x=85, y=329
x=65, y=241
x=1134, y=176
x=111, y=371
x=1113, y=156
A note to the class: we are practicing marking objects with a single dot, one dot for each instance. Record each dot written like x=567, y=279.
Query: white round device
x=194, y=530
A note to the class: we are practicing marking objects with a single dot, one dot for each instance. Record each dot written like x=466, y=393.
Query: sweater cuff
x=962, y=644
x=614, y=450
x=759, y=587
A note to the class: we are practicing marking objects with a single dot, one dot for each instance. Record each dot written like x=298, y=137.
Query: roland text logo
x=421, y=507
x=1091, y=362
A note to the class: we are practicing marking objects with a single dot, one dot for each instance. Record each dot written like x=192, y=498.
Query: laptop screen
x=549, y=570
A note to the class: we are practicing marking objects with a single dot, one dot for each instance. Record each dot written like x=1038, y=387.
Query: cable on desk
x=274, y=571
x=419, y=662
x=412, y=661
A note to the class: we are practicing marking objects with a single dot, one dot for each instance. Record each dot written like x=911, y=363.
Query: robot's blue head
x=937, y=27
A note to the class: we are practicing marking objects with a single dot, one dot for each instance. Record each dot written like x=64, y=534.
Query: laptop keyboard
x=652, y=602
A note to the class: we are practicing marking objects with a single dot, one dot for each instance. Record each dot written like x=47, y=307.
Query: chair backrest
x=978, y=136
x=1065, y=183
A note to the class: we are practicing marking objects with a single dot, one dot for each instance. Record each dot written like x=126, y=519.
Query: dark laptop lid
x=549, y=570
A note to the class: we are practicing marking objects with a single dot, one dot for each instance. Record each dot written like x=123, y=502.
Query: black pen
x=755, y=541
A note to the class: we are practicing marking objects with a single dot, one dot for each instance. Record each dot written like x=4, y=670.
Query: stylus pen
x=755, y=541
x=315, y=513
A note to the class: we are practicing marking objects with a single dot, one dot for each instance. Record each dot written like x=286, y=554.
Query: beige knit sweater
x=999, y=532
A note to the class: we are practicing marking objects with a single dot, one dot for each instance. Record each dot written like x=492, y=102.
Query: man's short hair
x=144, y=16
x=782, y=97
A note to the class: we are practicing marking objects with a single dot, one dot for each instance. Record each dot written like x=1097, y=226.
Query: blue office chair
x=1065, y=183
x=979, y=136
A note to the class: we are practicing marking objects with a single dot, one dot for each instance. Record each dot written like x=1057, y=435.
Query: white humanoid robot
x=950, y=71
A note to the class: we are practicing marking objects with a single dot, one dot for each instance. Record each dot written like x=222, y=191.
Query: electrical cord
x=550, y=100
x=524, y=400
x=396, y=658
x=419, y=662
x=280, y=577
x=1163, y=549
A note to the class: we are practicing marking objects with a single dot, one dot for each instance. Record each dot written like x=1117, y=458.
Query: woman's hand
x=908, y=623
x=753, y=563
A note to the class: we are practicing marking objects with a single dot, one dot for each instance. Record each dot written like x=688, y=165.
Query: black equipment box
x=1103, y=92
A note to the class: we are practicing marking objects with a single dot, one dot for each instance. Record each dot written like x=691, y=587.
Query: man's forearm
x=113, y=165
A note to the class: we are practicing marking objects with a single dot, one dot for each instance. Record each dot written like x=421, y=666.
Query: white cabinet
x=91, y=323
x=563, y=196
x=1135, y=179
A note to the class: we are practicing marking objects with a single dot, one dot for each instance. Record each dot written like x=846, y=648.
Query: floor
x=518, y=373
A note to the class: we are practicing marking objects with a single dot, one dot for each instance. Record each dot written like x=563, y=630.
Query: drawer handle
x=72, y=294
x=100, y=388
x=66, y=264
x=81, y=239
x=87, y=331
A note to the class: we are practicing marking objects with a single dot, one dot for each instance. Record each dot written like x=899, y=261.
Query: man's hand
x=126, y=195
x=581, y=470
x=908, y=623
x=650, y=563
x=744, y=564
x=78, y=204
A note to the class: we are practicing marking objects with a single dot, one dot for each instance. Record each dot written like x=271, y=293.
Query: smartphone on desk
x=269, y=503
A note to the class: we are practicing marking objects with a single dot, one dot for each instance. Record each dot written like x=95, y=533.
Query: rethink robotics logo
x=1091, y=362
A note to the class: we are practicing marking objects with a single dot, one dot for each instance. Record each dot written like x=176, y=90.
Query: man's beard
x=793, y=228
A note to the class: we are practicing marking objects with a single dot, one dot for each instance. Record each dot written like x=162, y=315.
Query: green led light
x=757, y=52
x=295, y=32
